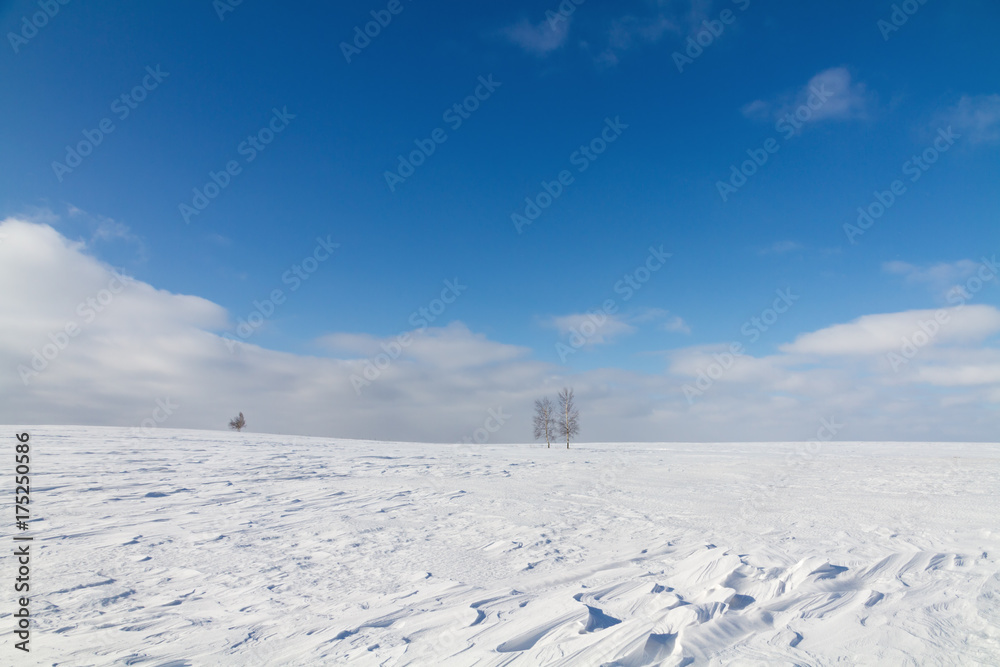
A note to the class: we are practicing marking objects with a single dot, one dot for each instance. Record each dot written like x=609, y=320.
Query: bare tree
x=238, y=423
x=569, y=416
x=545, y=420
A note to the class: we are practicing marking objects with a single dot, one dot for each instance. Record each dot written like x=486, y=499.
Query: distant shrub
x=238, y=423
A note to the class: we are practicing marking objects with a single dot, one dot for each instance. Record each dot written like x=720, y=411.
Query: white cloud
x=942, y=272
x=146, y=344
x=630, y=31
x=456, y=348
x=958, y=376
x=664, y=18
x=757, y=110
x=940, y=278
x=676, y=324
x=612, y=37
x=599, y=329
x=830, y=95
x=644, y=315
x=977, y=118
x=880, y=334
x=595, y=329
x=108, y=229
x=538, y=39
x=845, y=99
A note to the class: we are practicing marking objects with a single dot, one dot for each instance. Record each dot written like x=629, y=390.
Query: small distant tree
x=238, y=423
x=545, y=420
x=569, y=416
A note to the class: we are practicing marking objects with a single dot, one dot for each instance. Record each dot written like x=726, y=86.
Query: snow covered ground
x=211, y=548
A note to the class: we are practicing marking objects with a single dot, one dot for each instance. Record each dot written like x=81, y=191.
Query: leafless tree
x=569, y=416
x=238, y=423
x=545, y=420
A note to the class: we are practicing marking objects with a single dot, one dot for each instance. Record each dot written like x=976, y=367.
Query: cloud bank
x=83, y=344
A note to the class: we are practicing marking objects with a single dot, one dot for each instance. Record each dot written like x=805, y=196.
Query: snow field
x=196, y=548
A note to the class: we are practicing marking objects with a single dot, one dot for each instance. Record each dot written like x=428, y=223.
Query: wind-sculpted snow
x=202, y=548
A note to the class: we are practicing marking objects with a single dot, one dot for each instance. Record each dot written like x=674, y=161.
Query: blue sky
x=880, y=97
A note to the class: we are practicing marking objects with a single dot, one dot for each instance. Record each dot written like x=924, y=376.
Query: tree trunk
x=566, y=417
